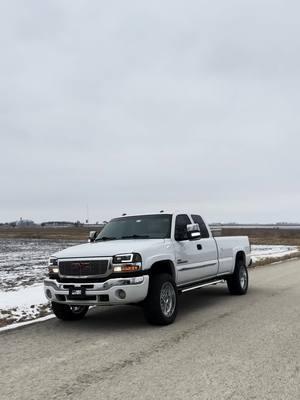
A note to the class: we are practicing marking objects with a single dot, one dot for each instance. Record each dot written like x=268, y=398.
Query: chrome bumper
x=111, y=292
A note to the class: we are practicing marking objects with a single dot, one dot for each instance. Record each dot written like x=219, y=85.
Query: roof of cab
x=157, y=212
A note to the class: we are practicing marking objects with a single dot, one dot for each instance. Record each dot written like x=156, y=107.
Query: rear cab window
x=203, y=228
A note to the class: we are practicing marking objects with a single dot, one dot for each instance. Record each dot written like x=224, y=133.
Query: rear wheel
x=161, y=304
x=238, y=282
x=69, y=313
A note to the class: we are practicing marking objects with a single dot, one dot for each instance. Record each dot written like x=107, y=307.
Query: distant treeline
x=29, y=223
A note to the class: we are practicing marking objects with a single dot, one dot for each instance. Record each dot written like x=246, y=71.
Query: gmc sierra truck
x=147, y=260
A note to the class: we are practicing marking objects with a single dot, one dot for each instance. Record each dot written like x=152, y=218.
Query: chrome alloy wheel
x=243, y=277
x=167, y=299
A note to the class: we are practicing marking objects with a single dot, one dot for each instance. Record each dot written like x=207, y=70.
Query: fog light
x=121, y=294
x=48, y=293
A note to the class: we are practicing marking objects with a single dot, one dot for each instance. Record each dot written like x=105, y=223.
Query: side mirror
x=193, y=231
x=92, y=236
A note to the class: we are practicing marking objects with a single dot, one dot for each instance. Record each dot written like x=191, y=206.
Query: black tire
x=161, y=304
x=238, y=282
x=68, y=313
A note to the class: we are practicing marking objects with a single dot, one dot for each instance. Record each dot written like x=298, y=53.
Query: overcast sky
x=130, y=106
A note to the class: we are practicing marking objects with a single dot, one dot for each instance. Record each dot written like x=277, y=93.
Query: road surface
x=220, y=347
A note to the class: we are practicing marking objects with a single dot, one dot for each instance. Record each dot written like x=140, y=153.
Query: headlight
x=127, y=262
x=52, y=266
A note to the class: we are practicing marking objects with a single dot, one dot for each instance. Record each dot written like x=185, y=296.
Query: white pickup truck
x=147, y=260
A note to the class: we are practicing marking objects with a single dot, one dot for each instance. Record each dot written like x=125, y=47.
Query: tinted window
x=182, y=221
x=203, y=229
x=138, y=227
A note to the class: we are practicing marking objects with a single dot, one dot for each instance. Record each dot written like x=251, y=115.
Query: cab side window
x=182, y=220
x=203, y=229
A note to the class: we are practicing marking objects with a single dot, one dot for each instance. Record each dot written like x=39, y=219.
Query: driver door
x=195, y=259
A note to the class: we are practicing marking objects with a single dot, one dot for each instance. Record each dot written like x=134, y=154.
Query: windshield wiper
x=105, y=238
x=136, y=237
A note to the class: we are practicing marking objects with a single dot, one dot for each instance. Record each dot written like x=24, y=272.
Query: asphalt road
x=220, y=347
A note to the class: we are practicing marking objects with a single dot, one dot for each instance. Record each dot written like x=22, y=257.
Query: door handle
x=199, y=246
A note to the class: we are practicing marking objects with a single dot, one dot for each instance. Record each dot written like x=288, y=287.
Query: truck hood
x=109, y=248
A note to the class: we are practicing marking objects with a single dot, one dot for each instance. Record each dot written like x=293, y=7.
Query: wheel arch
x=240, y=256
x=163, y=266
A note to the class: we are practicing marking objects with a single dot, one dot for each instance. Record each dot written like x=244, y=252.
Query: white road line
x=20, y=324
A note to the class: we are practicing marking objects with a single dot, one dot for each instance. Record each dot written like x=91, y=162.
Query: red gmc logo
x=81, y=265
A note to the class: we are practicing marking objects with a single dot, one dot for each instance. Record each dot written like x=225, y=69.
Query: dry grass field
x=257, y=236
x=39, y=232
x=284, y=237
x=267, y=236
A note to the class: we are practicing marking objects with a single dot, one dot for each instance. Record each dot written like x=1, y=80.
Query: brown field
x=67, y=233
x=257, y=236
x=267, y=236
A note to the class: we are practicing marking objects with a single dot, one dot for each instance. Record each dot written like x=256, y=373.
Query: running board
x=201, y=285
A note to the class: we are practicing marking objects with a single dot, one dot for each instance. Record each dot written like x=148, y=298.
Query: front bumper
x=111, y=292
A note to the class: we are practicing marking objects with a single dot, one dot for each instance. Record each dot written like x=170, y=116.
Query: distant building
x=24, y=222
x=59, y=223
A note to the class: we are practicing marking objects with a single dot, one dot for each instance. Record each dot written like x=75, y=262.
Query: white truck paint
x=145, y=258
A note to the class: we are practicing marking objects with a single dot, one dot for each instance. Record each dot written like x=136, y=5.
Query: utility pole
x=87, y=214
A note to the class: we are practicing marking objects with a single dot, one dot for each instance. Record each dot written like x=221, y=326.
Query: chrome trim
x=136, y=289
x=51, y=282
x=96, y=286
x=198, y=267
x=182, y=262
x=202, y=285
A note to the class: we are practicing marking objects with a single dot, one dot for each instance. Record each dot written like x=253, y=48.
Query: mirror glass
x=92, y=236
x=193, y=231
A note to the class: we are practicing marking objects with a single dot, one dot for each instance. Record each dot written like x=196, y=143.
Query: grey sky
x=135, y=105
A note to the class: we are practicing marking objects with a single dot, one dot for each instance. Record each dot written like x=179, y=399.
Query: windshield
x=137, y=227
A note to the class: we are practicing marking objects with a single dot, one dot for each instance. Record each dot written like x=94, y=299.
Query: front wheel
x=161, y=304
x=238, y=282
x=69, y=313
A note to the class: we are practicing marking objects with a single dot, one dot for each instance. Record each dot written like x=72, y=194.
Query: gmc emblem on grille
x=81, y=264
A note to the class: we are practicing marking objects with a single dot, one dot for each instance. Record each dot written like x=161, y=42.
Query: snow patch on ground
x=23, y=262
x=23, y=267
x=22, y=297
x=261, y=252
x=23, y=304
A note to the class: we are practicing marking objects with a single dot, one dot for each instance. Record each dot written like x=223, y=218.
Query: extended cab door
x=195, y=259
